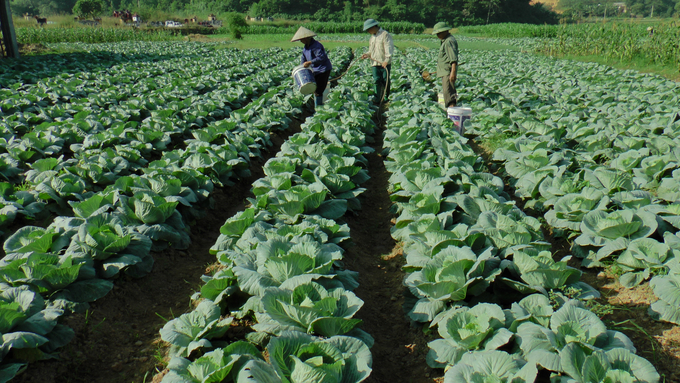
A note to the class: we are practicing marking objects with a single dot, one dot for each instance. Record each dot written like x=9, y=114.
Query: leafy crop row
x=599, y=156
x=281, y=264
x=480, y=269
x=112, y=217
x=125, y=130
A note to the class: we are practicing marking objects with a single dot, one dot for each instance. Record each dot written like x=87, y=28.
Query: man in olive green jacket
x=447, y=62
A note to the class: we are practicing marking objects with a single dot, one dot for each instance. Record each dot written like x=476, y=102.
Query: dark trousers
x=321, y=80
x=381, y=79
x=449, y=90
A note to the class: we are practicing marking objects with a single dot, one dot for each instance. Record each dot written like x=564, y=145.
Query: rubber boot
x=318, y=101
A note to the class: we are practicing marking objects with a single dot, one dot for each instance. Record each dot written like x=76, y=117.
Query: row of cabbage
x=106, y=150
x=595, y=149
x=49, y=272
x=71, y=260
x=84, y=57
x=280, y=271
x=108, y=141
x=68, y=115
x=479, y=268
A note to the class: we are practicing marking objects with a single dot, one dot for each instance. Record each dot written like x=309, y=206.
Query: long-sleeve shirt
x=381, y=48
x=316, y=53
x=448, y=54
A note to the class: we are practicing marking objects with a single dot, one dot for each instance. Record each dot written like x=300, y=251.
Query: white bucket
x=326, y=92
x=459, y=115
x=304, y=80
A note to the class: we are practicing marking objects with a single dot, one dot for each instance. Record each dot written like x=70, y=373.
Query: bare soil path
x=400, y=349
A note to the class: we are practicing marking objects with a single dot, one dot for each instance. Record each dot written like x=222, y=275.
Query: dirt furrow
x=400, y=349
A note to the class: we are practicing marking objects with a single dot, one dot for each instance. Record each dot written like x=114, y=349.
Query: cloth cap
x=441, y=26
x=369, y=23
x=301, y=33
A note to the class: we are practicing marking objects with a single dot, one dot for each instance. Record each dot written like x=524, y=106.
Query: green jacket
x=448, y=54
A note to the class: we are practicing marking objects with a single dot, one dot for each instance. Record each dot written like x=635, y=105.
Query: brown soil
x=400, y=348
x=117, y=340
x=658, y=342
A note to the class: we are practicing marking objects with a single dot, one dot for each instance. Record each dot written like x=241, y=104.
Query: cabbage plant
x=611, y=232
x=30, y=330
x=568, y=211
x=614, y=365
x=641, y=258
x=299, y=199
x=220, y=365
x=534, y=308
x=532, y=271
x=277, y=261
x=570, y=324
x=449, y=277
x=193, y=331
x=309, y=308
x=491, y=366
x=506, y=231
x=423, y=246
x=149, y=208
x=667, y=289
x=467, y=329
x=296, y=357
x=104, y=239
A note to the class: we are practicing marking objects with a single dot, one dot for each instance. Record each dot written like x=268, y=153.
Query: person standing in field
x=314, y=56
x=447, y=62
x=380, y=51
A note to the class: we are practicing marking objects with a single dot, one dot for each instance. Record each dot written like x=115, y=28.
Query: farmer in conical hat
x=380, y=51
x=314, y=57
x=447, y=62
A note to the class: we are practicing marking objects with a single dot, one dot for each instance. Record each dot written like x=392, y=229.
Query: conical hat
x=301, y=33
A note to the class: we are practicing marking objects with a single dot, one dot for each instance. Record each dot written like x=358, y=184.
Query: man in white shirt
x=380, y=51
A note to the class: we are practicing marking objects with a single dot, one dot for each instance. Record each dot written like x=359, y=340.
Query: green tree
x=89, y=8
x=42, y=7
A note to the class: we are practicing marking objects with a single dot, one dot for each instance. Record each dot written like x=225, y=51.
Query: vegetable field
x=174, y=212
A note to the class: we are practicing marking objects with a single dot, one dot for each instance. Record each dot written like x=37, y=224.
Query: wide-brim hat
x=301, y=33
x=441, y=26
x=369, y=23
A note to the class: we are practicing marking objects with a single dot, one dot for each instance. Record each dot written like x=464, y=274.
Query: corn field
x=511, y=30
x=619, y=41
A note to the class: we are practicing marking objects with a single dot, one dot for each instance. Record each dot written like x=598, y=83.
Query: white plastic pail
x=326, y=92
x=459, y=115
x=304, y=80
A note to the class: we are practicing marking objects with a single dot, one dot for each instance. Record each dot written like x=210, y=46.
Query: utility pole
x=652, y=14
x=9, y=38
